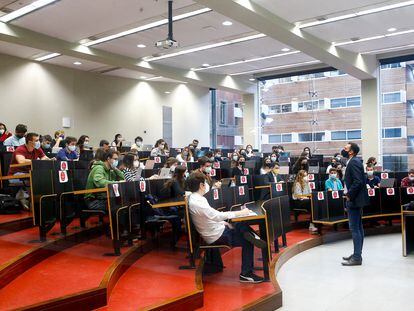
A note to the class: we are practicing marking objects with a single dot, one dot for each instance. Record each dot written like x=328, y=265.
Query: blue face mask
x=47, y=146
x=37, y=145
x=332, y=176
x=114, y=164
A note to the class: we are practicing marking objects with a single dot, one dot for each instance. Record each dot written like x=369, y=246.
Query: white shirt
x=181, y=160
x=209, y=222
x=14, y=141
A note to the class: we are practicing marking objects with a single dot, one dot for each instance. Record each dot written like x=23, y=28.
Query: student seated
x=83, y=144
x=131, y=165
x=102, y=173
x=205, y=168
x=299, y=190
x=59, y=141
x=333, y=164
x=159, y=148
x=409, y=180
x=69, y=152
x=104, y=144
x=301, y=164
x=238, y=167
x=213, y=229
x=46, y=144
x=4, y=133
x=249, y=151
x=138, y=144
x=17, y=139
x=266, y=167
x=25, y=154
x=218, y=156
x=117, y=142
x=273, y=175
x=333, y=183
x=372, y=180
x=185, y=155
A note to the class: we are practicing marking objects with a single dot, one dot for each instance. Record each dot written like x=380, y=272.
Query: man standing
x=356, y=199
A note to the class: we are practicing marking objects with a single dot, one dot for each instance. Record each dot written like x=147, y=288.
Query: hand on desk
x=243, y=212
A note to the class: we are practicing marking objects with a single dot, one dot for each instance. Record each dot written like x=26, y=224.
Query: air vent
x=209, y=28
x=106, y=70
x=355, y=38
x=321, y=18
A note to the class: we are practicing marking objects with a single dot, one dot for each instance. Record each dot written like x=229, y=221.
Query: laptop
x=149, y=165
x=313, y=170
x=147, y=148
x=387, y=183
x=126, y=144
x=165, y=173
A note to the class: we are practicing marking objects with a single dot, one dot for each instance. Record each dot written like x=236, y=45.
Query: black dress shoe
x=352, y=262
x=347, y=258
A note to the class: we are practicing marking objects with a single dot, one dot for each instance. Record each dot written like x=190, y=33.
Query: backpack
x=9, y=205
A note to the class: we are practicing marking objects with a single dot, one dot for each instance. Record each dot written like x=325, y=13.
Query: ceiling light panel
x=36, y=5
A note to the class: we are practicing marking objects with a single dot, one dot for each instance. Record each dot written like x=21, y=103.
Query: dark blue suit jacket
x=355, y=183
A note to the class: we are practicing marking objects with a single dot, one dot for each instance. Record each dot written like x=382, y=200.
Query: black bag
x=409, y=206
x=9, y=205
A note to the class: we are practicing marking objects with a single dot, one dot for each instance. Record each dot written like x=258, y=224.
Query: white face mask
x=235, y=158
x=305, y=179
x=136, y=163
x=207, y=187
x=411, y=178
x=172, y=168
x=1, y=132
x=207, y=170
x=72, y=148
x=249, y=150
x=273, y=159
x=332, y=176
x=370, y=173
x=139, y=143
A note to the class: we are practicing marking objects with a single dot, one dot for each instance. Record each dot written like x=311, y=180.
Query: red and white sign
x=371, y=192
x=279, y=187
x=157, y=160
x=335, y=195
x=63, y=177
x=215, y=194
x=241, y=190
x=410, y=190
x=142, y=186
x=321, y=196
x=216, y=164
x=384, y=175
x=311, y=177
x=312, y=185
x=116, y=189
x=63, y=166
x=390, y=191
x=246, y=171
x=243, y=179
x=213, y=172
x=10, y=149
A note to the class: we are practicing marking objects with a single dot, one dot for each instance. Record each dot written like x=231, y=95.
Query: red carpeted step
x=76, y=269
x=13, y=217
x=223, y=291
x=153, y=279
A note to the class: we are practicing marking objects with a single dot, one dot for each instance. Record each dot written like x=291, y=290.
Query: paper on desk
x=248, y=215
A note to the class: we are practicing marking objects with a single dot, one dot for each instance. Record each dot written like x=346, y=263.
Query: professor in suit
x=356, y=199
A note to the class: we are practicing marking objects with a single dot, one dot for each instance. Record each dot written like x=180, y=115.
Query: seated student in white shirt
x=213, y=228
x=185, y=155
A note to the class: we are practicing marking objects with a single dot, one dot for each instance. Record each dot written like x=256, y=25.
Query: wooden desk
x=169, y=203
x=261, y=220
x=407, y=224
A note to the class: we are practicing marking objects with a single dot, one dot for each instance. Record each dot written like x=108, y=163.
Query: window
x=346, y=135
x=319, y=136
x=223, y=112
x=388, y=98
x=287, y=138
x=311, y=105
x=280, y=108
x=392, y=132
x=279, y=138
x=338, y=102
x=390, y=66
x=395, y=163
x=353, y=101
x=305, y=137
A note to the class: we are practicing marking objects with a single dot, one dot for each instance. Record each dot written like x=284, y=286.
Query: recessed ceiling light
x=25, y=10
x=285, y=50
x=205, y=65
x=252, y=79
x=391, y=29
x=227, y=23
x=46, y=57
x=167, y=92
x=143, y=77
x=77, y=63
x=141, y=46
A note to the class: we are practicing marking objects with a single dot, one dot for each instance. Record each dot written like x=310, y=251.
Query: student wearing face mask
x=213, y=228
x=59, y=140
x=69, y=152
x=333, y=164
x=409, y=180
x=4, y=133
x=307, y=151
x=46, y=144
x=209, y=154
x=17, y=139
x=218, y=156
x=266, y=166
x=273, y=175
x=234, y=159
x=185, y=156
x=159, y=148
x=333, y=183
x=131, y=165
x=274, y=157
x=117, y=142
x=138, y=144
x=205, y=168
x=372, y=180
x=301, y=164
x=249, y=151
x=300, y=190
x=238, y=169
x=83, y=144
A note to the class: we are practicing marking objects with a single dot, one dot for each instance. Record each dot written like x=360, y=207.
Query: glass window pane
x=353, y=101
x=391, y=98
x=338, y=102
x=391, y=133
x=287, y=138
x=354, y=134
x=338, y=135
x=287, y=108
x=305, y=137
x=320, y=136
x=274, y=139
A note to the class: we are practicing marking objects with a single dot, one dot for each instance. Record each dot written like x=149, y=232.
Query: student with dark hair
x=209, y=154
x=301, y=164
x=159, y=148
x=372, y=180
x=249, y=151
x=212, y=227
x=177, y=183
x=131, y=165
x=205, y=168
x=83, y=144
x=238, y=168
x=409, y=180
x=69, y=152
x=307, y=151
x=104, y=144
x=117, y=142
x=138, y=144
x=99, y=156
x=273, y=175
x=218, y=155
x=266, y=166
x=17, y=139
x=356, y=199
x=46, y=144
x=4, y=133
x=185, y=156
x=333, y=182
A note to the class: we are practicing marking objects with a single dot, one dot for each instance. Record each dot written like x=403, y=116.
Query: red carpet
x=223, y=291
x=78, y=268
x=153, y=279
x=8, y=218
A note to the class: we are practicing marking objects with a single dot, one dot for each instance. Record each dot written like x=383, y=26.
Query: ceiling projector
x=166, y=44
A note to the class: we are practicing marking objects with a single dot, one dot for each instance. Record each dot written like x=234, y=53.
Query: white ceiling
x=74, y=20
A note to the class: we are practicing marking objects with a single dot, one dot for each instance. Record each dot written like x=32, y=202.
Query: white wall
x=39, y=95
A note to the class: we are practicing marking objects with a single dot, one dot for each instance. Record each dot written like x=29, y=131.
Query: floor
x=315, y=279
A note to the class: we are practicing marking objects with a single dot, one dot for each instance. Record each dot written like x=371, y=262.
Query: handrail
x=9, y=177
x=21, y=164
